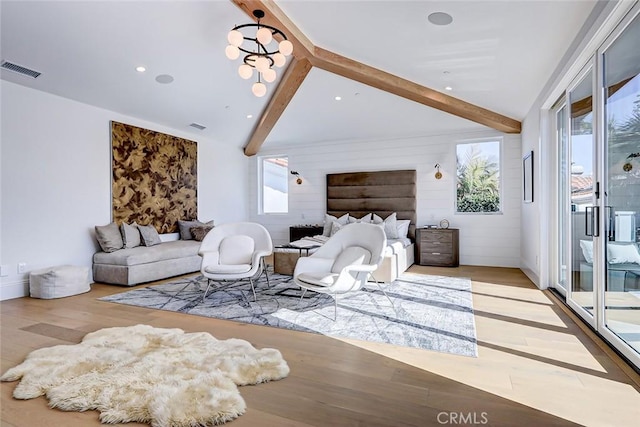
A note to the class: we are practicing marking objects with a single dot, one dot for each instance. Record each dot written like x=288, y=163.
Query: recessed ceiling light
x=141, y=69
x=249, y=116
x=164, y=79
x=338, y=98
x=448, y=88
x=440, y=18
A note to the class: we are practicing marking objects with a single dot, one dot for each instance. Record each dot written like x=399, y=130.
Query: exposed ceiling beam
x=382, y=80
x=289, y=84
x=307, y=55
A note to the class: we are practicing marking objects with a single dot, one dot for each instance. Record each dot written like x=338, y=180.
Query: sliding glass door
x=598, y=186
x=581, y=181
x=621, y=88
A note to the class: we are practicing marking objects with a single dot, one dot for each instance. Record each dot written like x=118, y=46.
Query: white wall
x=492, y=240
x=56, y=181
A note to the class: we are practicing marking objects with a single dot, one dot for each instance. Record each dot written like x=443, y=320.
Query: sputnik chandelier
x=260, y=58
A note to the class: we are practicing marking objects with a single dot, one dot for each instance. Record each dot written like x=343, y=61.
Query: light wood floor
x=536, y=366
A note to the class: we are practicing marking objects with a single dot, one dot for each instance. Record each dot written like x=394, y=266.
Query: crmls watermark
x=463, y=418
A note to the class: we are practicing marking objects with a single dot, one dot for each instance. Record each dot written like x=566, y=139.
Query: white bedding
x=398, y=255
x=394, y=246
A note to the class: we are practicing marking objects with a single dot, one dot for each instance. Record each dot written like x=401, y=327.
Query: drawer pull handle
x=435, y=243
x=435, y=253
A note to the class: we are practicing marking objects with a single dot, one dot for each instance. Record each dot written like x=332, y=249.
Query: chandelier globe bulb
x=264, y=35
x=245, y=71
x=259, y=89
x=232, y=52
x=269, y=75
x=285, y=47
x=262, y=64
x=279, y=60
x=235, y=38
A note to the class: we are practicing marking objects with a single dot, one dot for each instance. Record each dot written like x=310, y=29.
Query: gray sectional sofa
x=142, y=264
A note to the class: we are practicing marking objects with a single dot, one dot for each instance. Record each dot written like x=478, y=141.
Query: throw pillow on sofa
x=199, y=232
x=109, y=237
x=185, y=227
x=130, y=235
x=149, y=235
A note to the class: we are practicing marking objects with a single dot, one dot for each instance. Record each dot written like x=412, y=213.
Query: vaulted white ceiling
x=497, y=55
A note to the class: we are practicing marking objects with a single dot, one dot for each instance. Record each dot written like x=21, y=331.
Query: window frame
x=500, y=141
x=261, y=196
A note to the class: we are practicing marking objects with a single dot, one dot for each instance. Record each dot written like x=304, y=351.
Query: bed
x=362, y=194
x=381, y=193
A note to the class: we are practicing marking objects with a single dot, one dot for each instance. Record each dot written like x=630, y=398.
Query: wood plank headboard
x=383, y=192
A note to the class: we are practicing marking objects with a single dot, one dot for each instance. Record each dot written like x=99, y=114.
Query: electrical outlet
x=22, y=266
x=4, y=270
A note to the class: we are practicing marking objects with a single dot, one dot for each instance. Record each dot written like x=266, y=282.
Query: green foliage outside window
x=478, y=188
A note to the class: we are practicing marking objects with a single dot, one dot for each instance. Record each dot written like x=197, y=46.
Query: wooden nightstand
x=297, y=232
x=438, y=247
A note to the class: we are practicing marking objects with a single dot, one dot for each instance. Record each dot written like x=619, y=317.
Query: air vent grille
x=197, y=126
x=10, y=66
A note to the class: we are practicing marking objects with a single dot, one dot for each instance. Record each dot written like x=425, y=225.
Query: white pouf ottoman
x=59, y=281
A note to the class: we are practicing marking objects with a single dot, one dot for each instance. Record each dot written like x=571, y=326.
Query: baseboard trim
x=531, y=275
x=16, y=289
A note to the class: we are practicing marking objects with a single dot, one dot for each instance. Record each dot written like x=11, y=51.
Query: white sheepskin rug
x=164, y=377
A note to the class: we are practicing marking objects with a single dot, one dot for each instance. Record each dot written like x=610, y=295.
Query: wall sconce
x=298, y=178
x=438, y=173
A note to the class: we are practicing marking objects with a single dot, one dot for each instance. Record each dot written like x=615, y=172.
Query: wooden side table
x=285, y=258
x=438, y=247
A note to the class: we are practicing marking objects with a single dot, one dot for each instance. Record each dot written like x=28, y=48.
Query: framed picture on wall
x=527, y=177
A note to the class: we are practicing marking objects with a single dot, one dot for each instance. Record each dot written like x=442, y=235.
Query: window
x=275, y=184
x=478, y=180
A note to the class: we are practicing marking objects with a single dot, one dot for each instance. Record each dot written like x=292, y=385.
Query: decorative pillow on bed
x=329, y=219
x=368, y=218
x=335, y=227
x=390, y=225
x=403, y=228
x=622, y=253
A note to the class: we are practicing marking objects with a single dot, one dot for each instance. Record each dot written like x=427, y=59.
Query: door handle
x=611, y=223
x=592, y=220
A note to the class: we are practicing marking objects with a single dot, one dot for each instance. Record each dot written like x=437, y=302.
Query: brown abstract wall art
x=155, y=177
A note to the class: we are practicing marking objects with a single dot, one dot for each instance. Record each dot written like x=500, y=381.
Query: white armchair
x=343, y=264
x=233, y=252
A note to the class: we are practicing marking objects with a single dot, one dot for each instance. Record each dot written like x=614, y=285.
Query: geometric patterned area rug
x=429, y=312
